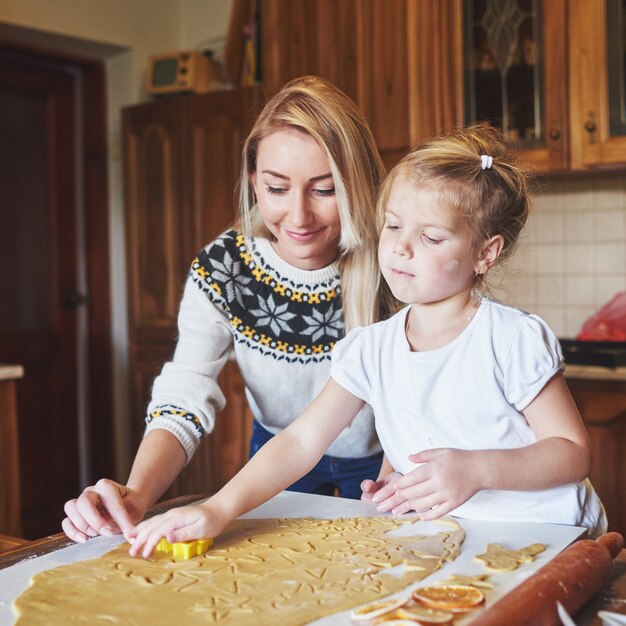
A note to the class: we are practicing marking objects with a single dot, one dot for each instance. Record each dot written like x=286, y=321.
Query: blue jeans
x=331, y=475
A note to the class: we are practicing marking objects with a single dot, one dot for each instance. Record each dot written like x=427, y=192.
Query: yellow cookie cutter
x=184, y=550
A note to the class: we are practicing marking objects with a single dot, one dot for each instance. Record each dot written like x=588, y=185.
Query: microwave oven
x=180, y=71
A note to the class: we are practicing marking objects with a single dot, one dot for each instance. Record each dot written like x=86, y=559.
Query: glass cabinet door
x=597, y=83
x=503, y=58
x=512, y=61
x=616, y=67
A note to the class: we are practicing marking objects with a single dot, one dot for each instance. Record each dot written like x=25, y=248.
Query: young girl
x=469, y=398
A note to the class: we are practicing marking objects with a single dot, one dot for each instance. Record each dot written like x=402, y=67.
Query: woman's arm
x=189, y=380
x=109, y=507
x=280, y=462
x=448, y=477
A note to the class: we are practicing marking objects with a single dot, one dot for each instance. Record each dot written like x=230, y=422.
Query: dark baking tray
x=603, y=353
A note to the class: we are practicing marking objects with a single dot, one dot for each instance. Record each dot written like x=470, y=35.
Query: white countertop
x=594, y=372
x=11, y=372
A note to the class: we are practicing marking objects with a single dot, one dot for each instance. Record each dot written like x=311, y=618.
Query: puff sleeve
x=349, y=364
x=534, y=357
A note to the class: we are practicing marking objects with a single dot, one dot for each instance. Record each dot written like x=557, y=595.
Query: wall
x=122, y=34
x=572, y=256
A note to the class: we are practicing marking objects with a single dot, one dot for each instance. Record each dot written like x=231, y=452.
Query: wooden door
x=38, y=290
x=156, y=258
x=597, y=82
x=156, y=261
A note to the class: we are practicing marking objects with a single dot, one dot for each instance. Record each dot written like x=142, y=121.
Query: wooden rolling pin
x=572, y=578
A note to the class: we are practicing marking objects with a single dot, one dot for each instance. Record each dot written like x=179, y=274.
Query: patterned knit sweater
x=279, y=322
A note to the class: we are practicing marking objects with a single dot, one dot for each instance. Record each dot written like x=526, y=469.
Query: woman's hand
x=445, y=479
x=382, y=492
x=105, y=508
x=186, y=523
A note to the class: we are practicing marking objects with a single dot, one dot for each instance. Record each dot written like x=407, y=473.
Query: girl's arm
x=449, y=477
x=385, y=468
x=280, y=462
x=562, y=453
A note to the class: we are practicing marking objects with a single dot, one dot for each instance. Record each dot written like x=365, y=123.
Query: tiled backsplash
x=571, y=257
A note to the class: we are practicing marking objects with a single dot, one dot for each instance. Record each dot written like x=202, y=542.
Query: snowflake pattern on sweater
x=267, y=311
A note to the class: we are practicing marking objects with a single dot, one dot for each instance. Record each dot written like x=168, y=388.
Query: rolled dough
x=267, y=571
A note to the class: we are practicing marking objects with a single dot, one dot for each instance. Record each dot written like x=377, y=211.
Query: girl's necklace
x=455, y=329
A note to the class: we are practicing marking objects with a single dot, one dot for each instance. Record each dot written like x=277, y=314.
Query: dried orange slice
x=376, y=609
x=449, y=597
x=421, y=614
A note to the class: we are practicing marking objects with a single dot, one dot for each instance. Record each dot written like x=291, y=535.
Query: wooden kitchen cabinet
x=597, y=35
x=404, y=63
x=578, y=61
x=418, y=67
x=380, y=53
x=602, y=404
x=181, y=165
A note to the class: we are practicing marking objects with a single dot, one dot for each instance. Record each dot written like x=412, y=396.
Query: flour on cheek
x=451, y=266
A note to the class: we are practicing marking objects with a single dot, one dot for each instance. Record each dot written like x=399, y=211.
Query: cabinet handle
x=590, y=125
x=73, y=299
x=555, y=134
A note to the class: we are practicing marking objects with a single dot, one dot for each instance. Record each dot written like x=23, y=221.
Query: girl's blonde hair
x=315, y=106
x=494, y=200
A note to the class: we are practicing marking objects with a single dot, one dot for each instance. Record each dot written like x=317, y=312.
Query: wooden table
x=10, y=507
x=611, y=598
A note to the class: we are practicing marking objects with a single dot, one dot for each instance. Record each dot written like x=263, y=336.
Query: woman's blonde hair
x=315, y=106
x=494, y=200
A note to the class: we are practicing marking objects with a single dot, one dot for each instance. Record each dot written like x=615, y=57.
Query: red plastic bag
x=607, y=324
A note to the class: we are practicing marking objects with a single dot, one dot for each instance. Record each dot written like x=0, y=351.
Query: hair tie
x=486, y=161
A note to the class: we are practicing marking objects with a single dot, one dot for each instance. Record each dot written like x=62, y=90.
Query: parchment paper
x=14, y=579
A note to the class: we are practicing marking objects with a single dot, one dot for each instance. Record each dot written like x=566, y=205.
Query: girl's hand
x=105, y=508
x=445, y=479
x=382, y=492
x=199, y=521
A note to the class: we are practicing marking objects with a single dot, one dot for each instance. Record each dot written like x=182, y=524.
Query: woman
x=297, y=271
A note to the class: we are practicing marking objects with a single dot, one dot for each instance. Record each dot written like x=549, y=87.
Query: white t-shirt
x=468, y=394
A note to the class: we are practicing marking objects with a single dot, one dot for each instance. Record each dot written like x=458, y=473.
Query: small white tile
x=554, y=317
x=546, y=202
x=609, y=192
x=578, y=227
x=575, y=317
x=606, y=287
x=608, y=225
x=579, y=291
x=578, y=195
x=609, y=258
x=579, y=259
x=550, y=291
x=549, y=259
x=528, y=233
x=548, y=227
x=523, y=259
x=517, y=290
